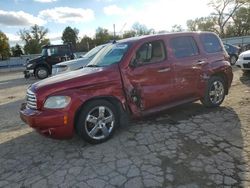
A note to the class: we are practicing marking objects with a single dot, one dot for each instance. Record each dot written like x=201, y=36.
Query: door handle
x=200, y=62
x=164, y=69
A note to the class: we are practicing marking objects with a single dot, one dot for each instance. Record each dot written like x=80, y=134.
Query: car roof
x=137, y=38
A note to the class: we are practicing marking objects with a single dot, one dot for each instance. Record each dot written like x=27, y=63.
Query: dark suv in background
x=41, y=67
x=132, y=77
x=233, y=52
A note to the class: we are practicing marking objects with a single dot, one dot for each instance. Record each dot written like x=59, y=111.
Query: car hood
x=35, y=60
x=88, y=76
x=246, y=53
x=74, y=61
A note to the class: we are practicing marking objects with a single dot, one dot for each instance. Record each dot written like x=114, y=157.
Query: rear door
x=187, y=63
x=148, y=82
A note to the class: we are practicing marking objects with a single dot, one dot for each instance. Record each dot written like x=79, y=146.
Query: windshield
x=44, y=52
x=93, y=51
x=109, y=55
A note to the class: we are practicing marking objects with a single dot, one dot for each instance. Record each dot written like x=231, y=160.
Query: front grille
x=246, y=58
x=31, y=99
x=246, y=65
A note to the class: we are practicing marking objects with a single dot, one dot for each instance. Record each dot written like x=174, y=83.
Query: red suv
x=132, y=77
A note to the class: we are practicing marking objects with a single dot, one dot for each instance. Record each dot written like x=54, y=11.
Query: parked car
x=233, y=52
x=133, y=77
x=244, y=61
x=75, y=64
x=41, y=67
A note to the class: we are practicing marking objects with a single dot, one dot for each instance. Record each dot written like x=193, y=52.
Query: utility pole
x=114, y=30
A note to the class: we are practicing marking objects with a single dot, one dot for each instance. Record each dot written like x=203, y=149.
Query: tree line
x=229, y=18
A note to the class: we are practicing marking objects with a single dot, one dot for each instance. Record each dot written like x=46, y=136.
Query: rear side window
x=184, y=47
x=63, y=50
x=211, y=43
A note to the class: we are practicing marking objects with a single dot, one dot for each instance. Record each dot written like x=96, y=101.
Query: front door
x=148, y=81
x=53, y=56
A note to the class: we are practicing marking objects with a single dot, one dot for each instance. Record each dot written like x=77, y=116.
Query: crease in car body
x=132, y=77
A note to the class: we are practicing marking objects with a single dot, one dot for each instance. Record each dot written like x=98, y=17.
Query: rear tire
x=233, y=60
x=41, y=72
x=215, y=92
x=97, y=121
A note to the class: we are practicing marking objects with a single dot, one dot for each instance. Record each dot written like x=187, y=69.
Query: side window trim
x=150, y=61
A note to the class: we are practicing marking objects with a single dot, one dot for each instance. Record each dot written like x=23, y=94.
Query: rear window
x=211, y=43
x=184, y=47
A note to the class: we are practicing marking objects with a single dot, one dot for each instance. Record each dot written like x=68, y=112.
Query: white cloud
x=13, y=38
x=67, y=14
x=112, y=10
x=159, y=14
x=19, y=18
x=45, y=1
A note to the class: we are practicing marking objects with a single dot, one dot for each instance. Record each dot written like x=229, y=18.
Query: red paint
x=158, y=86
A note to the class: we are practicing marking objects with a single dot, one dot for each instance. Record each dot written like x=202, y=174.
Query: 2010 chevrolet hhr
x=132, y=77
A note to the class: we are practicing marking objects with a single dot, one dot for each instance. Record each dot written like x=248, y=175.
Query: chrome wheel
x=217, y=92
x=42, y=73
x=99, y=122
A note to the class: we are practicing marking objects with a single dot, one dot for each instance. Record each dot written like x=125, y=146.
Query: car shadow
x=245, y=78
x=189, y=145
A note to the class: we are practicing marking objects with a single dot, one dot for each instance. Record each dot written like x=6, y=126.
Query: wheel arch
x=122, y=111
x=224, y=77
x=43, y=65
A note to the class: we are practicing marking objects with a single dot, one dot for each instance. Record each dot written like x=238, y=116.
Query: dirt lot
x=188, y=146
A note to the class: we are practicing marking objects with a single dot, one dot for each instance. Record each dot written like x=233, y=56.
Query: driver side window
x=151, y=52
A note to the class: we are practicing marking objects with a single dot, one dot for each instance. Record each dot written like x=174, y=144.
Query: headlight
x=62, y=68
x=29, y=65
x=57, y=102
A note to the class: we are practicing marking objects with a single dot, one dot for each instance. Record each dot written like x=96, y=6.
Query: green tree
x=85, y=44
x=16, y=51
x=4, y=46
x=202, y=24
x=177, y=28
x=224, y=11
x=102, y=36
x=241, y=23
x=128, y=34
x=141, y=29
x=34, y=39
x=70, y=36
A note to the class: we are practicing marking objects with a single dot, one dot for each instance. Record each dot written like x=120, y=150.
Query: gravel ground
x=187, y=146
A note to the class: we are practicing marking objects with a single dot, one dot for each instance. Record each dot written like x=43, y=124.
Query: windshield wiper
x=92, y=66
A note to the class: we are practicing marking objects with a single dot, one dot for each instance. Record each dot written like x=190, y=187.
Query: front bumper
x=28, y=73
x=243, y=64
x=51, y=123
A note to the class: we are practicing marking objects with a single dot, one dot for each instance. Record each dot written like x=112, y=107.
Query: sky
x=88, y=15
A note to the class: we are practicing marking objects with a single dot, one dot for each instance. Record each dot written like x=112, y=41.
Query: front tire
x=41, y=72
x=215, y=92
x=97, y=121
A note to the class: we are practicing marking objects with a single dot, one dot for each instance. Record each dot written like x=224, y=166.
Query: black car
x=41, y=67
x=233, y=52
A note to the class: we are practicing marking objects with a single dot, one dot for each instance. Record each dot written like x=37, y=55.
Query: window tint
x=210, y=43
x=63, y=50
x=151, y=52
x=52, y=51
x=184, y=47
